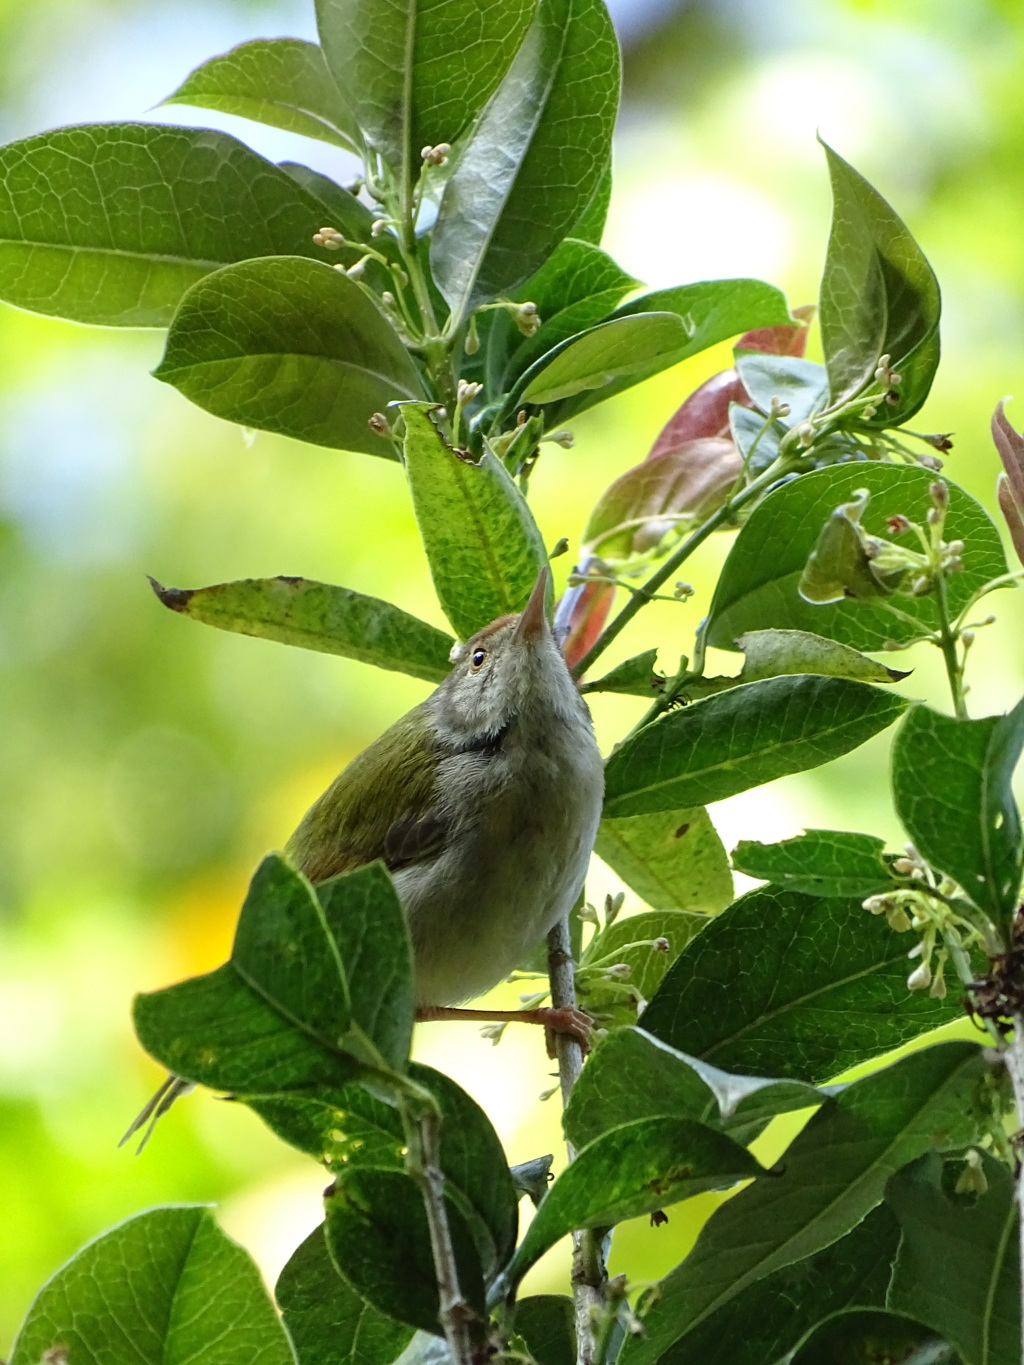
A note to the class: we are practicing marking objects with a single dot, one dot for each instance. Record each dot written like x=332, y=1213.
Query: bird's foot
x=568, y=1020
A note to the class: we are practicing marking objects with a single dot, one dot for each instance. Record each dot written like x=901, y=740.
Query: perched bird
x=483, y=802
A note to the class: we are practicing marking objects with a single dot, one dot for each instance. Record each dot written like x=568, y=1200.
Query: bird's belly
x=513, y=870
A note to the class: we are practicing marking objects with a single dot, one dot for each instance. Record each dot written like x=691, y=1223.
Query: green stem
x=948, y=638
x=643, y=595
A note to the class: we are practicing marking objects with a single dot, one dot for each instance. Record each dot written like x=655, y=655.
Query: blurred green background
x=147, y=762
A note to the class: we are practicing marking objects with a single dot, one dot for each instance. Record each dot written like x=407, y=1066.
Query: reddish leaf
x=1013, y=514
x=645, y=503
x=704, y=413
x=582, y=612
x=789, y=339
x=1010, y=445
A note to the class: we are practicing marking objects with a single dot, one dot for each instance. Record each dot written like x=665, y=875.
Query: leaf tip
x=175, y=598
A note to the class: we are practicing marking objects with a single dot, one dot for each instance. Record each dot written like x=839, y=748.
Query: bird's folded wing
x=383, y=805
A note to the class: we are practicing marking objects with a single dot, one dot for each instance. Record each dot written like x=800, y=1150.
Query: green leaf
x=952, y=789
x=758, y=586
x=958, y=1268
x=368, y=929
x=633, y=1075
x=281, y=1015
x=328, y=1322
x=621, y=346
x=290, y=346
x=741, y=738
x=758, y=1326
x=484, y=548
x=879, y=296
x=203, y=1299
x=800, y=383
x=821, y=862
x=824, y=988
x=712, y=310
x=629, y=943
x=350, y=1126
x=770, y=653
x=345, y=212
x=635, y=677
x=415, y=74
x=575, y=288
x=547, y=1323
x=629, y=1171
x=320, y=616
x=280, y=81
x=535, y=158
x=378, y=1238
x=111, y=223
x=864, y=1336
x=532, y=1177
x=833, y=1174
x=675, y=859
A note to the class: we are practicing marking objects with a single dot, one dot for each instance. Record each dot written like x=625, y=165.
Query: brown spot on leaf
x=175, y=598
x=683, y=829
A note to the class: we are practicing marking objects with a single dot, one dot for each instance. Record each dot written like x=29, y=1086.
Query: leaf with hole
x=952, y=788
x=319, y=616
x=824, y=989
x=741, y=738
x=204, y=1299
x=290, y=346
x=758, y=587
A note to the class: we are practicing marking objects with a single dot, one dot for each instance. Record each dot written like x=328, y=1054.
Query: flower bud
x=612, y=906
x=931, y=462
x=561, y=546
x=934, y=516
x=621, y=971
x=903, y=866
x=939, y=491
x=941, y=441
x=330, y=238
x=565, y=439
x=527, y=319
x=967, y=638
x=921, y=586
x=387, y=299
x=955, y=547
x=805, y=433
x=898, y=524
x=466, y=392
x=379, y=423
x=683, y=590
x=662, y=945
x=436, y=156
x=356, y=272
x=919, y=978
x=380, y=226
x=971, y=1179
x=869, y=411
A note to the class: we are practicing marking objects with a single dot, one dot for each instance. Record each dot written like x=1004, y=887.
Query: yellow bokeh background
x=147, y=762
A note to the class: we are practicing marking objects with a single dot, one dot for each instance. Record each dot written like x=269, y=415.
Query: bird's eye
x=479, y=655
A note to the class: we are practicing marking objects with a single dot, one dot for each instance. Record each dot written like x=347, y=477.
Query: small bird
x=483, y=802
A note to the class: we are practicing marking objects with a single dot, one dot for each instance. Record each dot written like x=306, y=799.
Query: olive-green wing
x=383, y=805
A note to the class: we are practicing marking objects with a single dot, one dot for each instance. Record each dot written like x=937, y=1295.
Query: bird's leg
x=568, y=1020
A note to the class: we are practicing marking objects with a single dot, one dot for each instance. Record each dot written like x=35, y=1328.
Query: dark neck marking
x=488, y=744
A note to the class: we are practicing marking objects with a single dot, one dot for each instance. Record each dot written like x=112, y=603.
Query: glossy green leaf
x=741, y=738
x=484, y=548
x=770, y=653
x=290, y=346
x=280, y=81
x=576, y=288
x=621, y=346
x=535, y=158
x=345, y=212
x=760, y=1325
x=203, y=1298
x=320, y=616
x=409, y=81
x=378, y=1238
x=713, y=311
x=628, y=1171
x=328, y=1322
x=111, y=223
x=633, y=1075
x=865, y=1336
x=824, y=988
x=821, y=862
x=958, y=1268
x=758, y=586
x=590, y=226
x=350, y=1127
x=879, y=296
x=675, y=859
x=952, y=789
x=833, y=1174
x=547, y=1323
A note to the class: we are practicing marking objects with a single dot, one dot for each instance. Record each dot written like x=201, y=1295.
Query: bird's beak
x=533, y=622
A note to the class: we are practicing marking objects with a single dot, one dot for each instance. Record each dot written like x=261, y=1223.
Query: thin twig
x=1014, y=1056
x=423, y=1162
x=588, y=1271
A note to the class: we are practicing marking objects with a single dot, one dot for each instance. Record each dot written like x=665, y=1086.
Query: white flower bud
x=387, y=299
x=967, y=638
x=356, y=272
x=903, y=866
x=565, y=439
x=919, y=978
x=436, y=156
